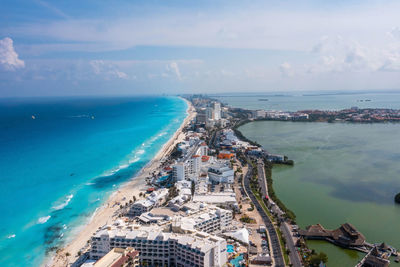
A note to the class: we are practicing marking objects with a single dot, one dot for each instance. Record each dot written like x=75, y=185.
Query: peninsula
x=353, y=114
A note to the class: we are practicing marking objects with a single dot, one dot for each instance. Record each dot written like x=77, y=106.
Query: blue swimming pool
x=236, y=261
x=162, y=179
x=230, y=249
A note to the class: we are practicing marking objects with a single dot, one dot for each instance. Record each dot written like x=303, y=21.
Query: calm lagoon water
x=58, y=166
x=342, y=173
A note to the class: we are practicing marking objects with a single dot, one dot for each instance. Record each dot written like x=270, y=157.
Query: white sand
x=104, y=215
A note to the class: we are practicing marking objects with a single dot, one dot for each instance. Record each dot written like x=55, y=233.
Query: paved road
x=294, y=255
x=261, y=178
x=276, y=248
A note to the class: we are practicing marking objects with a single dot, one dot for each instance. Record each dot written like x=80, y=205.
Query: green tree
x=397, y=198
x=316, y=259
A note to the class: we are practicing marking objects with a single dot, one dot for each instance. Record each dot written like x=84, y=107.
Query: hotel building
x=158, y=248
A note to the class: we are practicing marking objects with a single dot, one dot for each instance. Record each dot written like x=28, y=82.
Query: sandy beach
x=104, y=214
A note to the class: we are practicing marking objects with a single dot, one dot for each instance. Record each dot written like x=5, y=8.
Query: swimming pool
x=162, y=179
x=230, y=249
x=236, y=261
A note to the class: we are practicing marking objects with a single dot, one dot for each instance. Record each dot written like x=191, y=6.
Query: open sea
x=343, y=172
x=60, y=158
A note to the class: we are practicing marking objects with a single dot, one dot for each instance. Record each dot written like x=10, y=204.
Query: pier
x=377, y=256
x=347, y=236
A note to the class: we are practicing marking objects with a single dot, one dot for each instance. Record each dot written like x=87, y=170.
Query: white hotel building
x=157, y=248
x=209, y=220
x=221, y=172
x=153, y=200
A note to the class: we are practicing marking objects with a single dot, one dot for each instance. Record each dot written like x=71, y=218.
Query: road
x=276, y=248
x=261, y=177
x=294, y=255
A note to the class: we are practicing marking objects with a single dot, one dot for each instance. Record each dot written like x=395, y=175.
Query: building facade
x=157, y=248
x=180, y=171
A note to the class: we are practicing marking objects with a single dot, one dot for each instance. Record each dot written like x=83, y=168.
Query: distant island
x=353, y=114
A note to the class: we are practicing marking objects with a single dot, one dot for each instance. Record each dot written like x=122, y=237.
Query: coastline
x=105, y=213
x=268, y=174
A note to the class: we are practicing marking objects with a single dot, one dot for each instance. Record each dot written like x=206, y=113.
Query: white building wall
x=203, y=150
x=163, y=249
x=194, y=165
x=217, y=111
x=210, y=113
x=179, y=171
x=225, y=176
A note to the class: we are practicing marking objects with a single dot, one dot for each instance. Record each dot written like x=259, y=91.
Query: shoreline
x=338, y=249
x=272, y=194
x=104, y=214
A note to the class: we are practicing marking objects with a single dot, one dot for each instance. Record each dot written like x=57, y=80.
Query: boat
x=263, y=99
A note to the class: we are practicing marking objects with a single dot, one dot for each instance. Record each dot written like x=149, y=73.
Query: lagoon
x=343, y=173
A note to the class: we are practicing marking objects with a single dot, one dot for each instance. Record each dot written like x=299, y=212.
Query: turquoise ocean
x=60, y=158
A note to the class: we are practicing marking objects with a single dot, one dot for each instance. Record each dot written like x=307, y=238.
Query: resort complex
x=209, y=201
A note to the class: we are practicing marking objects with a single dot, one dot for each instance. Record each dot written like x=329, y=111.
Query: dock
x=347, y=236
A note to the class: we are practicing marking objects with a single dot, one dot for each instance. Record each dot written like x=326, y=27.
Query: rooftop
x=116, y=257
x=199, y=240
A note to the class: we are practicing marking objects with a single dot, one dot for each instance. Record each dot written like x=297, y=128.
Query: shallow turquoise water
x=56, y=169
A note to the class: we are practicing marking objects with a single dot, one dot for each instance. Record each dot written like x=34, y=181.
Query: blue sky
x=151, y=47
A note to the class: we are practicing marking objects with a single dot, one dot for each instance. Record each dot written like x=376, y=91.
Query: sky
x=62, y=48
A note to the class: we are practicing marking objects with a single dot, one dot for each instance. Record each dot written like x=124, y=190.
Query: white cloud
x=227, y=73
x=395, y=33
x=107, y=70
x=120, y=74
x=173, y=67
x=338, y=54
x=53, y=9
x=8, y=57
x=391, y=61
x=225, y=34
x=97, y=66
x=286, y=69
x=255, y=26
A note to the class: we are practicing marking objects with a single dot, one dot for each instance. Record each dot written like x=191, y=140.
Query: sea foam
x=136, y=154
x=11, y=236
x=43, y=220
x=64, y=204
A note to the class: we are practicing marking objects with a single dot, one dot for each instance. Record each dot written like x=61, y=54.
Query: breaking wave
x=64, y=204
x=43, y=220
x=11, y=236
